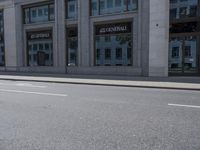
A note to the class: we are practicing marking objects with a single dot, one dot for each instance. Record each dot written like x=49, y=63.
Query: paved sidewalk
x=183, y=83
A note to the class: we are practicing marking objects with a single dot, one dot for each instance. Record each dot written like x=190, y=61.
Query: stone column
x=19, y=34
x=143, y=35
x=10, y=37
x=59, y=35
x=158, y=37
x=83, y=33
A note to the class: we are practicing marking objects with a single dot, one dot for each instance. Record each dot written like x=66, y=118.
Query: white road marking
x=189, y=106
x=30, y=92
x=24, y=85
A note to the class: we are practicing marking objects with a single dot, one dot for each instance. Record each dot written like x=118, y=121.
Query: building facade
x=184, y=42
x=110, y=37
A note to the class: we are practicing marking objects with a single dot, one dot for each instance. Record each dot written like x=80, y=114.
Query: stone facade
x=150, y=32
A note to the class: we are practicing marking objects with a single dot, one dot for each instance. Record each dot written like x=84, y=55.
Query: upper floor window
x=101, y=7
x=41, y=13
x=72, y=9
x=180, y=9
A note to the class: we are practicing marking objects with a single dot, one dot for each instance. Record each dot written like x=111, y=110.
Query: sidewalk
x=182, y=83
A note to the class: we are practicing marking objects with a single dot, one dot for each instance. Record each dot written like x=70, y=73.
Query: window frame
x=36, y=5
x=114, y=6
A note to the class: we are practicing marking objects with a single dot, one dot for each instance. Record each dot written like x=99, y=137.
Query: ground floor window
x=184, y=54
x=2, y=49
x=40, y=48
x=113, y=44
x=72, y=46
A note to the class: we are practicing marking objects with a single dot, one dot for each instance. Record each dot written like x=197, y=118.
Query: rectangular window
x=40, y=13
x=107, y=54
x=2, y=47
x=72, y=46
x=113, y=44
x=173, y=1
x=188, y=51
x=193, y=11
x=173, y=13
x=175, y=52
x=118, y=3
x=72, y=9
x=109, y=3
x=118, y=53
x=183, y=12
x=101, y=7
x=40, y=46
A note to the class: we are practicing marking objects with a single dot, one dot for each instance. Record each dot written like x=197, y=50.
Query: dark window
x=188, y=51
x=41, y=47
x=129, y=53
x=174, y=66
x=193, y=11
x=107, y=39
x=119, y=53
x=183, y=12
x=47, y=46
x=72, y=46
x=107, y=54
x=35, y=47
x=98, y=54
x=173, y=13
x=173, y=1
x=175, y=52
x=184, y=27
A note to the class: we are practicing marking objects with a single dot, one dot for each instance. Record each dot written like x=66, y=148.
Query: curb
x=103, y=84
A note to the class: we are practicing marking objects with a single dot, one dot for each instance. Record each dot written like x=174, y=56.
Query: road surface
x=50, y=116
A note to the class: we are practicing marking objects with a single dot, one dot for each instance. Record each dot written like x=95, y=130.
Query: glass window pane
x=2, y=49
x=115, y=48
x=72, y=46
x=101, y=7
x=72, y=10
x=41, y=13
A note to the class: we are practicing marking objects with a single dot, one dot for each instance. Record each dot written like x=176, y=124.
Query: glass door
x=183, y=55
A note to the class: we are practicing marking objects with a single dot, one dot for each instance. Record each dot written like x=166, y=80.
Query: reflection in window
x=188, y=51
x=72, y=46
x=2, y=50
x=41, y=13
x=175, y=52
x=184, y=9
x=100, y=7
x=184, y=27
x=72, y=9
x=113, y=48
x=40, y=49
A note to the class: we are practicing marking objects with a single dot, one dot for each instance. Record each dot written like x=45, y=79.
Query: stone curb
x=101, y=82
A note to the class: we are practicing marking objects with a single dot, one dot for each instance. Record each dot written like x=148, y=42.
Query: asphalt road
x=48, y=116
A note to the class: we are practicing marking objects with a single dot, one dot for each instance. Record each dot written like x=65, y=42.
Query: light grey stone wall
x=158, y=37
x=60, y=32
x=83, y=33
x=150, y=38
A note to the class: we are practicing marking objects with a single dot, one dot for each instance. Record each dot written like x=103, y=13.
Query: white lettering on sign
x=40, y=35
x=113, y=29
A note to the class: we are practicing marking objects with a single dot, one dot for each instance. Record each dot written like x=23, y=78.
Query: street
x=52, y=116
